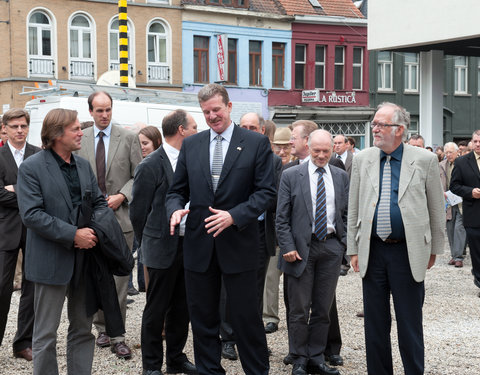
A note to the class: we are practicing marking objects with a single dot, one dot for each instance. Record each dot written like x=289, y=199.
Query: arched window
x=40, y=44
x=115, y=48
x=158, y=49
x=81, y=47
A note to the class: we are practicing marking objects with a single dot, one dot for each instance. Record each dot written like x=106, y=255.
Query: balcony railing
x=159, y=73
x=41, y=66
x=82, y=69
x=116, y=66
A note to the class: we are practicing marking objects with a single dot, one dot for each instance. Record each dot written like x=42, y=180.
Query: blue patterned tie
x=384, y=228
x=321, y=207
x=217, y=162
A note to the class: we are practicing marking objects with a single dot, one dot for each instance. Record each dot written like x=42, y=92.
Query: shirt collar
x=477, y=156
x=13, y=149
x=397, y=154
x=227, y=133
x=312, y=168
x=106, y=132
x=170, y=150
x=62, y=162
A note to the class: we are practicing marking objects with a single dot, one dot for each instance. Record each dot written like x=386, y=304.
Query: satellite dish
x=112, y=78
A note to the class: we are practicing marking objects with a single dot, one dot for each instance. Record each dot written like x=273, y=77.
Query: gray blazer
x=148, y=214
x=295, y=214
x=46, y=210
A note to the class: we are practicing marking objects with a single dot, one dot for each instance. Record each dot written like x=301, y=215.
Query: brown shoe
x=451, y=262
x=458, y=264
x=121, y=350
x=360, y=314
x=25, y=354
x=103, y=340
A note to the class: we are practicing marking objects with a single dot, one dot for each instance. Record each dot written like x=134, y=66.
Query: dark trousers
x=473, y=239
x=310, y=298
x=166, y=302
x=389, y=272
x=203, y=296
x=23, y=337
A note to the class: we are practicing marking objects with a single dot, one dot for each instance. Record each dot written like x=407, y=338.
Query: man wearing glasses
x=396, y=221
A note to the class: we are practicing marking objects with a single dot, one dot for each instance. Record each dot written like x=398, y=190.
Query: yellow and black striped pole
x=123, y=40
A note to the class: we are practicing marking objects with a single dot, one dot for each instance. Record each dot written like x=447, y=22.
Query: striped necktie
x=384, y=228
x=217, y=162
x=321, y=207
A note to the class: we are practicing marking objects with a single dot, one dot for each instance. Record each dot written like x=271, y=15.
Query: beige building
x=77, y=40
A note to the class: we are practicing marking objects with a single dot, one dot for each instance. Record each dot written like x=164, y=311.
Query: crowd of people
x=217, y=217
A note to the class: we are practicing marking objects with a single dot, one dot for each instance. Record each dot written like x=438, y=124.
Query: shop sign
x=328, y=97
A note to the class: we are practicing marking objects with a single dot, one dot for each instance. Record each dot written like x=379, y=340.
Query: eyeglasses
x=23, y=126
x=381, y=125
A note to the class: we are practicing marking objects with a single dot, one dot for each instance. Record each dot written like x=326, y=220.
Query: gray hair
x=400, y=116
x=450, y=144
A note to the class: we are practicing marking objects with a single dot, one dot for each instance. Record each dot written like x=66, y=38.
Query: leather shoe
x=322, y=369
x=451, y=262
x=334, y=359
x=458, y=264
x=132, y=291
x=103, y=340
x=361, y=314
x=271, y=327
x=229, y=352
x=25, y=354
x=288, y=359
x=185, y=367
x=299, y=369
x=152, y=372
x=343, y=272
x=121, y=350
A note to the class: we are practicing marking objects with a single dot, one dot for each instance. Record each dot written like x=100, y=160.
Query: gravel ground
x=451, y=321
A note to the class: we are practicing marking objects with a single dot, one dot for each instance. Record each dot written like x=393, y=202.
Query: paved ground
x=451, y=321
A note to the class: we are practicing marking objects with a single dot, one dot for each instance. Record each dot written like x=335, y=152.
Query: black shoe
x=334, y=359
x=185, y=367
x=343, y=272
x=229, y=352
x=299, y=369
x=152, y=372
x=129, y=301
x=132, y=291
x=288, y=359
x=271, y=327
x=322, y=369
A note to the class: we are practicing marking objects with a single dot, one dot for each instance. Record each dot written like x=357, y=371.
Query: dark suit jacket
x=466, y=177
x=333, y=161
x=153, y=177
x=270, y=236
x=295, y=214
x=348, y=162
x=46, y=209
x=11, y=227
x=246, y=188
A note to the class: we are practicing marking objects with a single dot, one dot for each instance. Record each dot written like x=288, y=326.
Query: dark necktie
x=384, y=228
x=217, y=162
x=100, y=161
x=321, y=207
x=339, y=157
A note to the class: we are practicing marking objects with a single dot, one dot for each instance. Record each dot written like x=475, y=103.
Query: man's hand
x=292, y=256
x=217, y=222
x=85, y=238
x=476, y=193
x=10, y=188
x=431, y=261
x=175, y=219
x=114, y=201
x=354, y=262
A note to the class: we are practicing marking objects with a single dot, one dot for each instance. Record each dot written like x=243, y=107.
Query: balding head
x=320, y=144
x=253, y=121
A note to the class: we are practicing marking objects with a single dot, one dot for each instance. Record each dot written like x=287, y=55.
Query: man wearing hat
x=281, y=144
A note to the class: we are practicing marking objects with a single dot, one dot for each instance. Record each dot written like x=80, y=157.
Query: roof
x=339, y=8
x=262, y=6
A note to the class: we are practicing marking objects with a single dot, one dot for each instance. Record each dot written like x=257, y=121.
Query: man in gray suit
x=162, y=253
x=113, y=153
x=396, y=222
x=311, y=223
x=51, y=186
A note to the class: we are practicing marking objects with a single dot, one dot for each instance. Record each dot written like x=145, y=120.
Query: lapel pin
x=239, y=148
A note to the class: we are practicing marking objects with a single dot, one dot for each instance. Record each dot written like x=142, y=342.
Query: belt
x=327, y=237
x=390, y=240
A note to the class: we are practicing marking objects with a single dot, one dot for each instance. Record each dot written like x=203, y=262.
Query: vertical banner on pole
x=123, y=42
x=222, y=57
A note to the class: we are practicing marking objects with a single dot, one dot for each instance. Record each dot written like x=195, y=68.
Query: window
x=411, y=72
x=232, y=61
x=115, y=47
x=278, y=64
x=81, y=62
x=300, y=63
x=40, y=43
x=157, y=42
x=200, y=59
x=339, y=68
x=357, y=83
x=229, y=3
x=255, y=54
x=320, y=67
x=461, y=75
x=385, y=67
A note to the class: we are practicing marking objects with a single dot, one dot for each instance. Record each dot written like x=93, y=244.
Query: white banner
x=222, y=57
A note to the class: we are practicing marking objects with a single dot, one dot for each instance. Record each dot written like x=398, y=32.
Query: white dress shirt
x=330, y=194
x=226, y=138
x=18, y=155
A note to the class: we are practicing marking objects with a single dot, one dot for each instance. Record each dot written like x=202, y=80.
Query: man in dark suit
x=340, y=146
x=51, y=187
x=161, y=253
x=227, y=175
x=465, y=182
x=16, y=124
x=311, y=231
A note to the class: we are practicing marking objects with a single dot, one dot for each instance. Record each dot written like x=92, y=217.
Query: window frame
x=131, y=46
x=358, y=65
x=41, y=65
x=458, y=69
x=300, y=63
x=156, y=69
x=338, y=65
x=199, y=59
x=278, y=46
x=232, y=70
x=408, y=66
x=252, y=66
x=381, y=69
x=81, y=63
x=320, y=64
